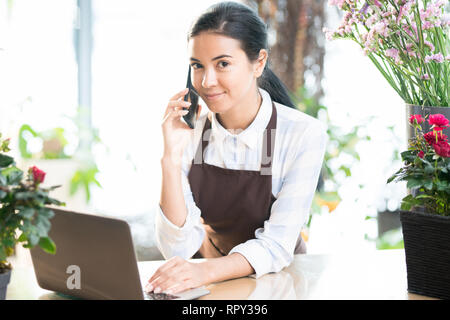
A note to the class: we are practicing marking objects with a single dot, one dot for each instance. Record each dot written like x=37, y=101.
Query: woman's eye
x=223, y=64
x=196, y=65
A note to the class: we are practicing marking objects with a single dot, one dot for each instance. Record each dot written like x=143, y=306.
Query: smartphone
x=192, y=97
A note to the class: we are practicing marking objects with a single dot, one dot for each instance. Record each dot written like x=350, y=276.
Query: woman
x=237, y=189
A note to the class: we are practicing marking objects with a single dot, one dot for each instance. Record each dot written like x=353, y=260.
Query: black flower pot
x=425, y=111
x=4, y=281
x=427, y=249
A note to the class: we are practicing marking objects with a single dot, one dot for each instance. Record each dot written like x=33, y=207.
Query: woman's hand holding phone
x=176, y=133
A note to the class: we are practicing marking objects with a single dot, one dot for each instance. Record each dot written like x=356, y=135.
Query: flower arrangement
x=23, y=207
x=427, y=167
x=408, y=42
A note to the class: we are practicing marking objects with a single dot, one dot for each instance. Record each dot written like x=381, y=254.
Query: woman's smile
x=214, y=96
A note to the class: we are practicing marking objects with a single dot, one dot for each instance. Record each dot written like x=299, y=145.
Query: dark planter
x=4, y=280
x=425, y=111
x=427, y=249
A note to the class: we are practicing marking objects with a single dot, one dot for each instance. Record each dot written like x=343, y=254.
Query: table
x=370, y=275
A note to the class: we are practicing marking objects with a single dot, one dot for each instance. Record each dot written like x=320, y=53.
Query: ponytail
x=275, y=87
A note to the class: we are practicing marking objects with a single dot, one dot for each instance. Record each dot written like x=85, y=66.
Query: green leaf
x=408, y=156
x=27, y=213
x=391, y=178
x=2, y=253
x=429, y=169
x=33, y=239
x=9, y=242
x=84, y=178
x=2, y=180
x=442, y=185
x=406, y=206
x=55, y=202
x=13, y=175
x=2, y=194
x=42, y=226
x=5, y=160
x=412, y=183
x=25, y=195
x=46, y=212
x=428, y=185
x=22, y=238
x=346, y=169
x=26, y=226
x=47, y=245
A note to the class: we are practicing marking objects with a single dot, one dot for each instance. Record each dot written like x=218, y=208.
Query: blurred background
x=84, y=84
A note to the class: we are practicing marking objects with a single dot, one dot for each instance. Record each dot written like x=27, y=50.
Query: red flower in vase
x=434, y=137
x=416, y=119
x=442, y=148
x=438, y=121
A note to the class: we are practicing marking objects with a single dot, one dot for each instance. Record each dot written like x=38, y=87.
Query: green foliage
x=392, y=239
x=23, y=206
x=54, y=141
x=341, y=145
x=84, y=177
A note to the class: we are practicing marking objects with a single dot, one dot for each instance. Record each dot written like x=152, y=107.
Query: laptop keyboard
x=159, y=296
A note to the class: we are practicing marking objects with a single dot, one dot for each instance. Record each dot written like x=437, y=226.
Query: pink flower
x=394, y=54
x=438, y=57
x=427, y=25
x=421, y=154
x=328, y=33
x=416, y=119
x=409, y=50
x=429, y=44
x=338, y=3
x=438, y=121
x=381, y=27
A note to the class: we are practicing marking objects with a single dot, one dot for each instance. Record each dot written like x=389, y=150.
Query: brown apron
x=233, y=203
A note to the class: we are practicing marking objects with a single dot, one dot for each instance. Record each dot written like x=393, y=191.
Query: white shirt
x=300, y=143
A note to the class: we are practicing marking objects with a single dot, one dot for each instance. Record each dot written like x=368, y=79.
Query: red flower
x=442, y=148
x=439, y=121
x=421, y=154
x=430, y=137
x=416, y=119
x=38, y=175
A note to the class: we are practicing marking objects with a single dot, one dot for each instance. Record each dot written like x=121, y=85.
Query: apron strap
x=269, y=143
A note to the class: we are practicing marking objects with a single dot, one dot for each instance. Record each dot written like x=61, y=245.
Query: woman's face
x=221, y=72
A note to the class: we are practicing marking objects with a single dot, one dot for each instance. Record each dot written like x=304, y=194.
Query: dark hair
x=240, y=22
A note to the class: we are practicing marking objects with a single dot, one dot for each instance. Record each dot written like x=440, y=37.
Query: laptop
x=95, y=259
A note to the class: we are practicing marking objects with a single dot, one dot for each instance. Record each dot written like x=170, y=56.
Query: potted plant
x=23, y=207
x=408, y=42
x=425, y=213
